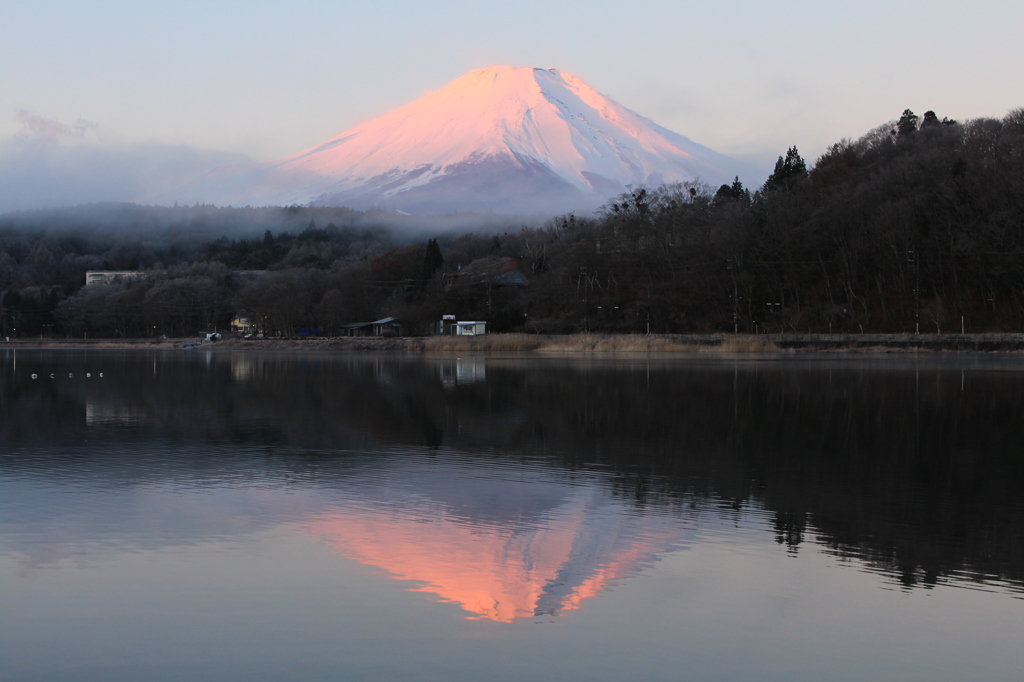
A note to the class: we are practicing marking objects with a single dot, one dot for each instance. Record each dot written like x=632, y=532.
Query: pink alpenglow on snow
x=505, y=139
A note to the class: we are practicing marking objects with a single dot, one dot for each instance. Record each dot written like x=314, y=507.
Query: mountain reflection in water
x=520, y=487
x=501, y=549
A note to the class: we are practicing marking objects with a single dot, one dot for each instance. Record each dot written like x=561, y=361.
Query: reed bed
x=618, y=343
x=597, y=343
x=487, y=342
x=746, y=344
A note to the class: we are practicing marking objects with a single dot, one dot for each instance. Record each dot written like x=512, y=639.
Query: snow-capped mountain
x=507, y=139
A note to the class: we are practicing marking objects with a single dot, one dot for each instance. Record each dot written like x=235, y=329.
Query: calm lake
x=188, y=515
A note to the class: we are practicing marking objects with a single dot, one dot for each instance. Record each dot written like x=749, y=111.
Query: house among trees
x=111, y=276
x=492, y=271
x=388, y=326
x=489, y=288
x=243, y=325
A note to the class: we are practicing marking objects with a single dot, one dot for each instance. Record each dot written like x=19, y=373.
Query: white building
x=469, y=328
x=110, y=276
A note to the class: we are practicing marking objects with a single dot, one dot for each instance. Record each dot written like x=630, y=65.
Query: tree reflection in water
x=910, y=466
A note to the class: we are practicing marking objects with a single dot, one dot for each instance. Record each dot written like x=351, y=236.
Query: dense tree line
x=920, y=223
x=190, y=281
x=909, y=218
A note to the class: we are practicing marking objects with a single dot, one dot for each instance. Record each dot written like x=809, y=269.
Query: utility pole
x=586, y=282
x=735, y=297
x=917, y=290
x=914, y=258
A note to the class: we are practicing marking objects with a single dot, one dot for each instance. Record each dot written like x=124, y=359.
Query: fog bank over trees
x=919, y=222
x=205, y=222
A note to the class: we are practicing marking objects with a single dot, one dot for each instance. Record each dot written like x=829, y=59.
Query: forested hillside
x=919, y=222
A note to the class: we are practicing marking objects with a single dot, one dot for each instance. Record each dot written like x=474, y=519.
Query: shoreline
x=581, y=343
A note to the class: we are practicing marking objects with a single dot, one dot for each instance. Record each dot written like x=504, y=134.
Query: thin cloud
x=36, y=125
x=49, y=163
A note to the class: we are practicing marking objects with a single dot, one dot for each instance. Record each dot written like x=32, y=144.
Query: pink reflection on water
x=504, y=572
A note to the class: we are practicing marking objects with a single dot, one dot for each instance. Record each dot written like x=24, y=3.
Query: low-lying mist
x=164, y=224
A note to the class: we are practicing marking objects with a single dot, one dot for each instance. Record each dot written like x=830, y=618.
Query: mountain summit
x=507, y=139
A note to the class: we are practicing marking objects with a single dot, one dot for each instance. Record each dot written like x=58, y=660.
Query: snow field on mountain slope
x=515, y=119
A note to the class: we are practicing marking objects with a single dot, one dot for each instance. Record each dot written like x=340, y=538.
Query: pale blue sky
x=266, y=79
